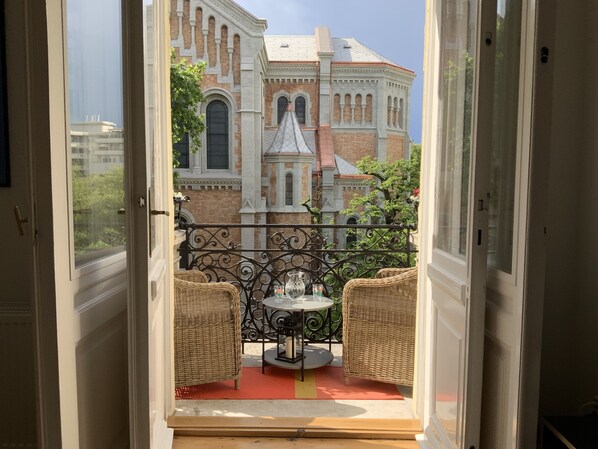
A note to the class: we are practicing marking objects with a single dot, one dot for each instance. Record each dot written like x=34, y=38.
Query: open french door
x=457, y=141
x=110, y=224
x=150, y=223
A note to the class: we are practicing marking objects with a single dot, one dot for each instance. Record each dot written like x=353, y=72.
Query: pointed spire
x=289, y=138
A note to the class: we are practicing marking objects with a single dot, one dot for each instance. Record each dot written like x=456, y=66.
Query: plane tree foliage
x=392, y=194
x=185, y=97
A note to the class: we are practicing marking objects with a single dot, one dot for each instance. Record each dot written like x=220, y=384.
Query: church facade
x=287, y=117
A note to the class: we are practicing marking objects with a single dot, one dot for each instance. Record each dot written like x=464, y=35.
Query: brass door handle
x=160, y=212
x=20, y=221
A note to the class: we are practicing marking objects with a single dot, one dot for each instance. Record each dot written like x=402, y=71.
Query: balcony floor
x=386, y=409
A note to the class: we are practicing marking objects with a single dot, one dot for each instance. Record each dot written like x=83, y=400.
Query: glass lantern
x=290, y=340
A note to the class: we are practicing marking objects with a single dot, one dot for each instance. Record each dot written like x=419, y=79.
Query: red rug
x=277, y=383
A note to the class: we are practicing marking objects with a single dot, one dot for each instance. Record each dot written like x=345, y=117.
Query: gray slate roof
x=308, y=134
x=289, y=138
x=303, y=48
x=344, y=167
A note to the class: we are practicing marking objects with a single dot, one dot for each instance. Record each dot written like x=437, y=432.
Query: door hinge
x=20, y=220
x=544, y=52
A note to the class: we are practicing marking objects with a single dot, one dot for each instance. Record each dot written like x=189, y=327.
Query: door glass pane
x=95, y=81
x=504, y=134
x=458, y=31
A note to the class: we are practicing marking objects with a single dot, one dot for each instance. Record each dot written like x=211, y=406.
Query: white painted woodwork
x=102, y=397
x=452, y=284
x=151, y=384
x=505, y=300
x=78, y=316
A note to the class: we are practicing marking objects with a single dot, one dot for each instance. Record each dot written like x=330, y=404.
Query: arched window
x=288, y=190
x=351, y=233
x=300, y=109
x=217, y=135
x=283, y=104
x=181, y=151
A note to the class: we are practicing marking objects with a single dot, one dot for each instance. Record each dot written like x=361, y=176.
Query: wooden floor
x=292, y=433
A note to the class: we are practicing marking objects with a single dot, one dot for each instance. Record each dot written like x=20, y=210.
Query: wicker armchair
x=379, y=326
x=192, y=276
x=207, y=331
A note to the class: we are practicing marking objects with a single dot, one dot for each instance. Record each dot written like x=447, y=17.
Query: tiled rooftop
x=303, y=48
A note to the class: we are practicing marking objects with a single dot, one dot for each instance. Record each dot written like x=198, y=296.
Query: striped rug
x=277, y=383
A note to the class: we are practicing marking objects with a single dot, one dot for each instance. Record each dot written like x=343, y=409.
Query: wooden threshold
x=297, y=428
x=188, y=442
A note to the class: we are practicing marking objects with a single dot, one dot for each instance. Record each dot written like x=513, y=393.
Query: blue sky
x=392, y=28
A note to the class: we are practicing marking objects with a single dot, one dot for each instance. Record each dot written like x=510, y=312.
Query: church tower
x=289, y=166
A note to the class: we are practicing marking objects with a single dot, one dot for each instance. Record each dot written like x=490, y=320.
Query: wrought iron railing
x=257, y=257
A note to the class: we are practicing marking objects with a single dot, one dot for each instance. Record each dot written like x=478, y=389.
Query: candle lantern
x=290, y=340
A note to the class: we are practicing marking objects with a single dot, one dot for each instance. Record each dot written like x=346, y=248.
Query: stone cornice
x=378, y=71
x=291, y=71
x=289, y=157
x=207, y=182
x=359, y=81
x=351, y=182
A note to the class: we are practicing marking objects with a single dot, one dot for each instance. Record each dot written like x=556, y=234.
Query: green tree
x=393, y=190
x=96, y=200
x=185, y=96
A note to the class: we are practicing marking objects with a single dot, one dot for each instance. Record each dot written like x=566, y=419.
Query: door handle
x=121, y=211
x=20, y=221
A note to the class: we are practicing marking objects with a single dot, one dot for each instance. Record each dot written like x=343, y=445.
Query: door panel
x=150, y=200
x=450, y=346
x=102, y=360
x=515, y=24
x=455, y=264
x=99, y=134
x=89, y=153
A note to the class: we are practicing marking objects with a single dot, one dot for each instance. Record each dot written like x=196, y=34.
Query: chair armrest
x=381, y=299
x=387, y=272
x=191, y=276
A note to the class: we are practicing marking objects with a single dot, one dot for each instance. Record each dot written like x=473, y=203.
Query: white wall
x=570, y=350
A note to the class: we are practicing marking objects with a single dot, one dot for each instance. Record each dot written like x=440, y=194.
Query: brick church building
x=287, y=117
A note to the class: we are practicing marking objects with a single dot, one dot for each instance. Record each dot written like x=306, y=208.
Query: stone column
x=205, y=43
x=379, y=109
x=325, y=51
x=230, y=62
x=193, y=49
x=179, y=13
x=218, y=40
